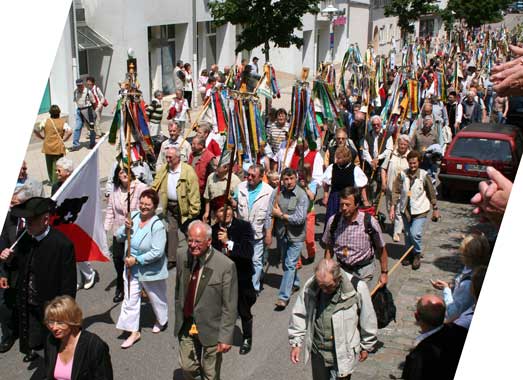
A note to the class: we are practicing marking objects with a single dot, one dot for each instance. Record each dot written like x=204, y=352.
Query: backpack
x=369, y=230
x=384, y=307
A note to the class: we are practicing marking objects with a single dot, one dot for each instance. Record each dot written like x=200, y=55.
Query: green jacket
x=187, y=189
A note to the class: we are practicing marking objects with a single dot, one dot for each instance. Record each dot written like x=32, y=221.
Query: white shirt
x=360, y=179
x=172, y=181
x=389, y=145
x=317, y=168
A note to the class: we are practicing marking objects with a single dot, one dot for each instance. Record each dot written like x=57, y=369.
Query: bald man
x=437, y=349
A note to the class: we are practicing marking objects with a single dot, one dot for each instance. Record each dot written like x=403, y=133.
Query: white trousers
x=84, y=272
x=129, y=319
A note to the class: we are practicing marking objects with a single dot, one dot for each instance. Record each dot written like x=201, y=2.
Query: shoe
x=157, y=328
x=295, y=289
x=406, y=261
x=89, y=284
x=30, y=357
x=298, y=264
x=7, y=344
x=246, y=346
x=171, y=265
x=118, y=296
x=396, y=238
x=74, y=148
x=416, y=262
x=281, y=304
x=130, y=341
x=78, y=286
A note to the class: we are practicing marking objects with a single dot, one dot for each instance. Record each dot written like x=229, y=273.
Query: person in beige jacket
x=177, y=185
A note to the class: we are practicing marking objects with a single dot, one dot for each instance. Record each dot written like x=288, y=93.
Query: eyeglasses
x=195, y=242
x=57, y=323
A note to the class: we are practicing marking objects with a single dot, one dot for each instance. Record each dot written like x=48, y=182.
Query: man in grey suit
x=206, y=299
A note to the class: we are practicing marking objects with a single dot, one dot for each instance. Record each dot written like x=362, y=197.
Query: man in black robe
x=235, y=238
x=45, y=261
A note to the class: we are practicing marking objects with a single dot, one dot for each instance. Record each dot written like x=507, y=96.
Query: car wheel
x=445, y=191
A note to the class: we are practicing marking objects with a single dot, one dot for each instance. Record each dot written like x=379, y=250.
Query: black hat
x=33, y=207
x=79, y=81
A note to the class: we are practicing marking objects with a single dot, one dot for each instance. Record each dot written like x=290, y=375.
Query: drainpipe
x=195, y=71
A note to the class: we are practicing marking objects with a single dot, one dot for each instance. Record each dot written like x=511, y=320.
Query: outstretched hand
x=508, y=77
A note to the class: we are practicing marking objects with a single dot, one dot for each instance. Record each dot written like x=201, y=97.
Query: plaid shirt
x=351, y=243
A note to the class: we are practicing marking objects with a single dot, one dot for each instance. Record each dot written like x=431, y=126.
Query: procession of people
x=239, y=175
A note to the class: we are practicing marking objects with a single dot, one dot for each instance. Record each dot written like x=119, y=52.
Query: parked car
x=474, y=148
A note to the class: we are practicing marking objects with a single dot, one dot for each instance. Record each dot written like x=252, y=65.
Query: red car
x=473, y=149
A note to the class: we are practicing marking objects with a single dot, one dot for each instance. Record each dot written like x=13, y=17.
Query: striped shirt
x=276, y=135
x=351, y=243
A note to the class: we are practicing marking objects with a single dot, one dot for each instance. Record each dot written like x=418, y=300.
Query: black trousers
x=118, y=256
x=8, y=313
x=246, y=299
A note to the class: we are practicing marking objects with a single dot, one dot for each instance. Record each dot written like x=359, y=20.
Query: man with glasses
x=45, y=261
x=334, y=320
x=342, y=138
x=206, y=299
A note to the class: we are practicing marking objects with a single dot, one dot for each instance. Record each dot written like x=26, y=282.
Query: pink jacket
x=116, y=210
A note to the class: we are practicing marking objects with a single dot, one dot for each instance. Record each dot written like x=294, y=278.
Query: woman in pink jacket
x=115, y=215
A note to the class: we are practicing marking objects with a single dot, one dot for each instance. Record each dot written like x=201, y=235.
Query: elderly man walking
x=177, y=186
x=334, y=320
x=206, y=299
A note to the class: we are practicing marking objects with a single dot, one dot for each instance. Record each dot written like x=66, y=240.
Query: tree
x=474, y=12
x=264, y=21
x=409, y=11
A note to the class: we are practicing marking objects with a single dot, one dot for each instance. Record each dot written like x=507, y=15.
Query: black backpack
x=384, y=307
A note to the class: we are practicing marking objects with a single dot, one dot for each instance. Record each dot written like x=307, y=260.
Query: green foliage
x=409, y=11
x=264, y=20
x=474, y=12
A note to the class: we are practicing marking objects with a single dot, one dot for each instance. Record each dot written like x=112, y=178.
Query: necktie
x=188, y=307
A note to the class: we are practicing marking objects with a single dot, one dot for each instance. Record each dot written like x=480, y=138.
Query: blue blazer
x=148, y=247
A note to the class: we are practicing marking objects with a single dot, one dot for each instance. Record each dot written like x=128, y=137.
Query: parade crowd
x=231, y=210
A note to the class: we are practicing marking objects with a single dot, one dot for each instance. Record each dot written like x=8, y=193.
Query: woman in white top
x=187, y=88
x=392, y=166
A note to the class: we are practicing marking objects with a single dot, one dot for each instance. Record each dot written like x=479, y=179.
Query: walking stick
x=195, y=123
x=128, y=229
x=392, y=269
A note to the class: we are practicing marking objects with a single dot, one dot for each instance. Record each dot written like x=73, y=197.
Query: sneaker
x=89, y=284
x=74, y=148
x=396, y=237
x=416, y=262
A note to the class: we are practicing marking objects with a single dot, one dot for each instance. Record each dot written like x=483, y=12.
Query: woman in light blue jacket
x=148, y=267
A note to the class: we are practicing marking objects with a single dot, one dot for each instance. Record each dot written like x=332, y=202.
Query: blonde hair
x=343, y=152
x=64, y=309
x=475, y=250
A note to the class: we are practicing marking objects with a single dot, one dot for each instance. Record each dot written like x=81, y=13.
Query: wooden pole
x=128, y=230
x=195, y=123
x=378, y=285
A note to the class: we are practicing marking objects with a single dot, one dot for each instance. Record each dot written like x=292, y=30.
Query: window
x=83, y=67
x=426, y=27
x=210, y=33
x=482, y=149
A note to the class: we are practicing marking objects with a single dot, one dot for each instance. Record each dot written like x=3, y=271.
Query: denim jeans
x=79, y=123
x=290, y=253
x=257, y=263
x=414, y=233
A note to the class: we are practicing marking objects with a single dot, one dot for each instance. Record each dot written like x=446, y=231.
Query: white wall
x=61, y=78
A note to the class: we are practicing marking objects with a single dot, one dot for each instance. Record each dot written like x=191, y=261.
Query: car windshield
x=482, y=149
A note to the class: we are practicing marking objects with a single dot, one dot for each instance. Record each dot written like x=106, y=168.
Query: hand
x=392, y=213
x=130, y=261
x=325, y=200
x=222, y=235
x=384, y=278
x=435, y=215
x=508, y=77
x=223, y=347
x=492, y=198
x=268, y=239
x=363, y=355
x=383, y=188
x=440, y=285
x=128, y=223
x=4, y=284
x=276, y=212
x=6, y=254
x=374, y=163
x=205, y=217
x=295, y=355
